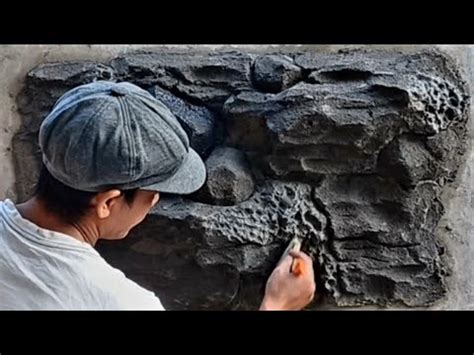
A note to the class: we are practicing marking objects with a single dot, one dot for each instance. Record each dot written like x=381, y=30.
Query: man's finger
x=286, y=262
x=301, y=255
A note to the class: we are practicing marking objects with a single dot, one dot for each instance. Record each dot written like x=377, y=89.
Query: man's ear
x=104, y=201
x=156, y=198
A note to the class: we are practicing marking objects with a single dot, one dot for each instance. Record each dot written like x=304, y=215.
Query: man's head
x=108, y=150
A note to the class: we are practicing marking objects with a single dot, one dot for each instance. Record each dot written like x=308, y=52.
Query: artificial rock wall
x=350, y=151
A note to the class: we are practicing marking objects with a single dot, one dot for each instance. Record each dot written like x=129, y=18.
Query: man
x=109, y=150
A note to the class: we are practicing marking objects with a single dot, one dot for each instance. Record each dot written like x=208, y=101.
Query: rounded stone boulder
x=229, y=178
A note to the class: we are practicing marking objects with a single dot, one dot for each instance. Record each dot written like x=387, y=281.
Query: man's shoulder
x=120, y=291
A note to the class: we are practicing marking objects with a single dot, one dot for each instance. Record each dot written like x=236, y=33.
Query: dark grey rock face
x=229, y=178
x=236, y=242
x=274, y=73
x=350, y=151
x=204, y=79
x=197, y=121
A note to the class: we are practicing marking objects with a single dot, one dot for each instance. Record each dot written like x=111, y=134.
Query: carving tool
x=297, y=266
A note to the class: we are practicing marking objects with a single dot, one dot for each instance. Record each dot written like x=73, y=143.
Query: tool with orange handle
x=297, y=266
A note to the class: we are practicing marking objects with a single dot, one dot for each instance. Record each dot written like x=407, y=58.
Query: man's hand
x=287, y=291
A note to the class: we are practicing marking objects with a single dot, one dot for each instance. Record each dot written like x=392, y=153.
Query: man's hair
x=68, y=203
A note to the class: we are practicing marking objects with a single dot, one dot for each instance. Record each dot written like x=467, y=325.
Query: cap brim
x=189, y=178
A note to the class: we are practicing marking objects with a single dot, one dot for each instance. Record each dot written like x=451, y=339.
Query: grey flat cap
x=106, y=134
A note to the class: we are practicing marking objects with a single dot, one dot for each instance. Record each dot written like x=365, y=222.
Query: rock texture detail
x=350, y=151
x=229, y=178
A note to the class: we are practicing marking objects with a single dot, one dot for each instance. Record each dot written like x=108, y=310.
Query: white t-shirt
x=46, y=270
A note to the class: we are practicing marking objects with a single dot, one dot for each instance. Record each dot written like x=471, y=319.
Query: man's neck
x=36, y=212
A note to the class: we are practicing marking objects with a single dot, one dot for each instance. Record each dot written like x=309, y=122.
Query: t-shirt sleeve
x=135, y=297
x=125, y=294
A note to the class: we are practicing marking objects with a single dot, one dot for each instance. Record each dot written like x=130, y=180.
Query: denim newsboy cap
x=105, y=134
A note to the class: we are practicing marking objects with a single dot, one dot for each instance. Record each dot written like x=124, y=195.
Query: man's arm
x=287, y=290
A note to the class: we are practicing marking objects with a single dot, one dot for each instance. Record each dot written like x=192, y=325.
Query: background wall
x=456, y=228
